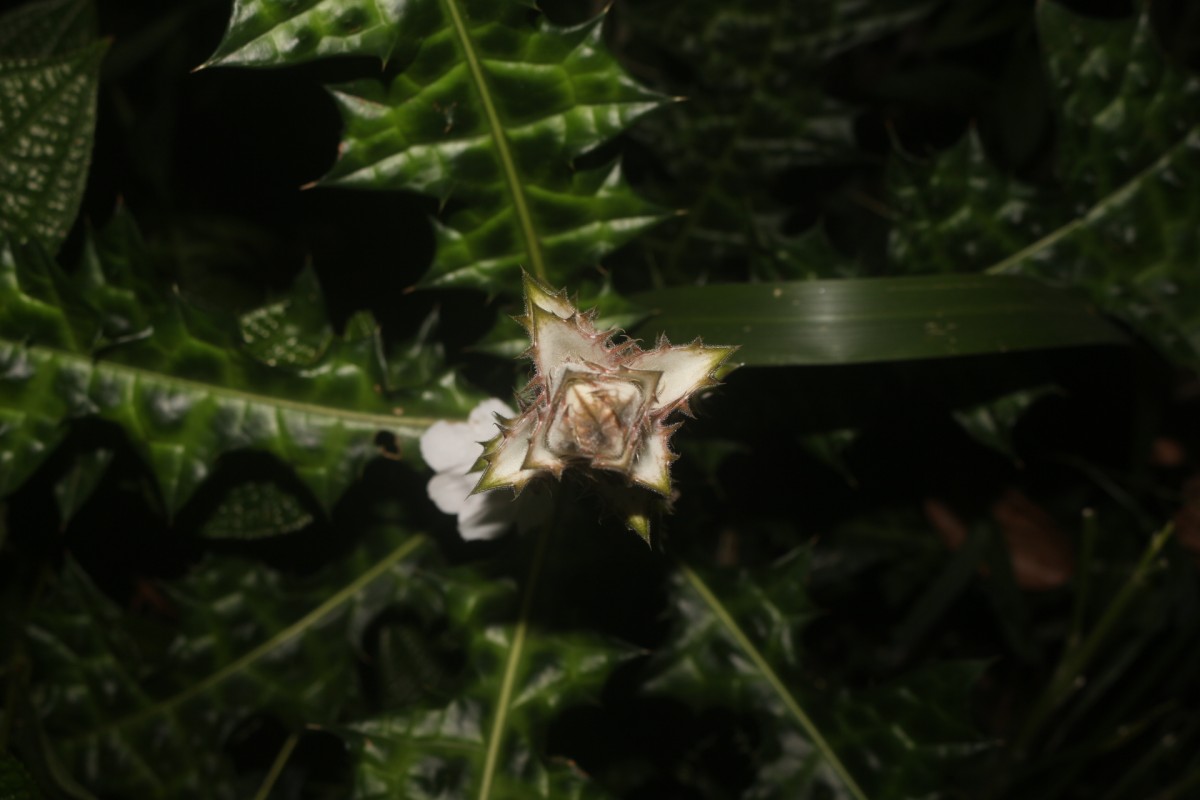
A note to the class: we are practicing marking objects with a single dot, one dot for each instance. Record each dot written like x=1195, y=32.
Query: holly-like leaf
x=489, y=740
x=755, y=109
x=139, y=703
x=487, y=116
x=188, y=385
x=737, y=644
x=49, y=73
x=1120, y=219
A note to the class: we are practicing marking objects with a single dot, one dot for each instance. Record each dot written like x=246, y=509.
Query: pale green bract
x=596, y=403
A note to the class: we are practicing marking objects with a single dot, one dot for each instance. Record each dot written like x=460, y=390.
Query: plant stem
x=285, y=753
x=1076, y=659
x=769, y=674
x=516, y=650
x=508, y=164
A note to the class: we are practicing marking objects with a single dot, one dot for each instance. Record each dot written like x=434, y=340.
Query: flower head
x=593, y=403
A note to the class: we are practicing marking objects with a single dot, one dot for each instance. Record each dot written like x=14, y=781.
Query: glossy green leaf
x=487, y=116
x=139, y=704
x=49, y=74
x=186, y=384
x=488, y=741
x=755, y=109
x=737, y=643
x=875, y=319
x=1120, y=219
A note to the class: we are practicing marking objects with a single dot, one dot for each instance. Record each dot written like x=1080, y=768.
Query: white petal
x=504, y=468
x=486, y=516
x=482, y=420
x=449, y=447
x=449, y=491
x=684, y=369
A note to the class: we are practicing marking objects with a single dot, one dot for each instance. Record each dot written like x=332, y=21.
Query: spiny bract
x=594, y=403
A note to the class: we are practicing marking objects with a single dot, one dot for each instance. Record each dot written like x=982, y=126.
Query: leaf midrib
x=379, y=421
x=503, y=153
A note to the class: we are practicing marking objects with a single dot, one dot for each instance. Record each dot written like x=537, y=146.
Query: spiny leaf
x=1119, y=220
x=489, y=740
x=109, y=343
x=141, y=708
x=737, y=643
x=487, y=116
x=49, y=73
x=755, y=109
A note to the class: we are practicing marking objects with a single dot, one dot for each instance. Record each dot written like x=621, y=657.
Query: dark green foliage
x=444, y=751
x=133, y=702
x=15, y=782
x=754, y=111
x=738, y=644
x=1118, y=217
x=937, y=540
x=190, y=385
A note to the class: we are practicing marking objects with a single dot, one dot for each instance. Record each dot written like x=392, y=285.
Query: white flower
x=593, y=403
x=451, y=449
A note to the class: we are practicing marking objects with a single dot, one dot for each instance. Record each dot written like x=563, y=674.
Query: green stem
x=507, y=163
x=496, y=737
x=285, y=753
x=739, y=636
x=1076, y=659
